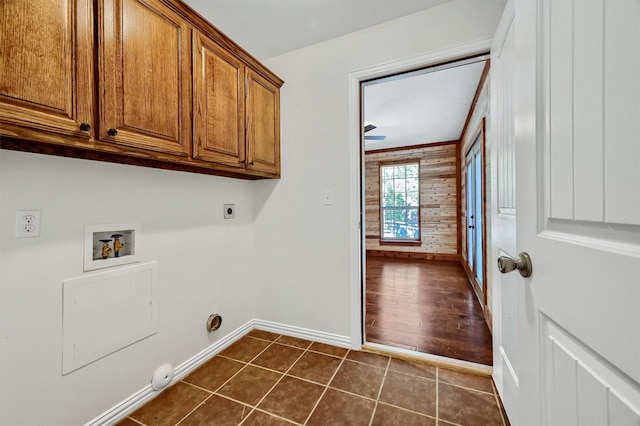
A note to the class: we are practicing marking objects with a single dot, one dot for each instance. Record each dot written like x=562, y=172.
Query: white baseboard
x=304, y=333
x=196, y=361
x=146, y=394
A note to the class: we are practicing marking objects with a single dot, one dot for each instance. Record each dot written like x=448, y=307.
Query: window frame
x=398, y=241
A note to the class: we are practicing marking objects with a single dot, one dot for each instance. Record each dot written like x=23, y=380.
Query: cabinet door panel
x=144, y=76
x=218, y=90
x=263, y=124
x=45, y=64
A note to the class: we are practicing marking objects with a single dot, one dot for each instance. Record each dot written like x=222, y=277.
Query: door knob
x=523, y=264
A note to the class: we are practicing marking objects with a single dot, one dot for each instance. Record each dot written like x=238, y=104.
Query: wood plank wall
x=438, y=201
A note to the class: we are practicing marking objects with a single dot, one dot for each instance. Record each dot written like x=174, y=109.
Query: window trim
x=398, y=241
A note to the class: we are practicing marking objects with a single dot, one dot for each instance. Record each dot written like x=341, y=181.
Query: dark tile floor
x=271, y=379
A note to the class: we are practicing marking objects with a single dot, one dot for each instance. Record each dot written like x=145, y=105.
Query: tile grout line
x=197, y=406
x=251, y=408
x=237, y=401
x=384, y=378
x=374, y=399
x=326, y=387
x=254, y=407
x=408, y=410
x=277, y=416
x=246, y=364
x=282, y=375
x=215, y=392
x=468, y=388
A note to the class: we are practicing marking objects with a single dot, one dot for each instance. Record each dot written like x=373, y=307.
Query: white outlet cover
x=26, y=218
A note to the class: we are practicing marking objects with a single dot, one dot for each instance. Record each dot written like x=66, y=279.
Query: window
x=400, y=201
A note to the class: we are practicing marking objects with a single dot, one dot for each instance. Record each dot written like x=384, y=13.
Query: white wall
x=305, y=249
x=286, y=258
x=205, y=266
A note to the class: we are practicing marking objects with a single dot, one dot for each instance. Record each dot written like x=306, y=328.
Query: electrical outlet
x=229, y=211
x=27, y=223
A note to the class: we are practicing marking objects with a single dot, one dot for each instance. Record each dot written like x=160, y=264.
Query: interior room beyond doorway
x=418, y=287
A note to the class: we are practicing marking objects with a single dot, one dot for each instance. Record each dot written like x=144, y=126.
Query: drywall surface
x=286, y=258
x=205, y=265
x=306, y=248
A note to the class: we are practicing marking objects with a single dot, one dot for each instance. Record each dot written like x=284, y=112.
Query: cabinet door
x=218, y=91
x=263, y=124
x=46, y=65
x=144, y=76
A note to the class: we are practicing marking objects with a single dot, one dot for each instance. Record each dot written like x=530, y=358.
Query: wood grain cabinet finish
x=46, y=72
x=219, y=98
x=141, y=82
x=236, y=111
x=263, y=124
x=144, y=76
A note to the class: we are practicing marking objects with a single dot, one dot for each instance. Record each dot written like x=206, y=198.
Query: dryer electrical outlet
x=229, y=211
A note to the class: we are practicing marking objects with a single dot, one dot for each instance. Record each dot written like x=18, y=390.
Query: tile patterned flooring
x=271, y=379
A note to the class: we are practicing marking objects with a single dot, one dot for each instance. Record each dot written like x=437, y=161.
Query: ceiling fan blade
x=374, y=138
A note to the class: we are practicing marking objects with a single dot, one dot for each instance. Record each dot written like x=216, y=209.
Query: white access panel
x=107, y=311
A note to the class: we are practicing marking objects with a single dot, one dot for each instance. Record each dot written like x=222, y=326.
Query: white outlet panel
x=27, y=223
x=229, y=211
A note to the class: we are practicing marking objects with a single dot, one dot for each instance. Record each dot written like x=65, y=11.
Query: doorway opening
x=418, y=291
x=475, y=214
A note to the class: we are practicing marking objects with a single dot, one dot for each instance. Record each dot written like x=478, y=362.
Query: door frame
x=356, y=157
x=480, y=137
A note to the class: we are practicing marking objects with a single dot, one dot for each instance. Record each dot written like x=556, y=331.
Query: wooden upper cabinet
x=218, y=102
x=46, y=50
x=232, y=127
x=263, y=124
x=144, y=76
x=146, y=82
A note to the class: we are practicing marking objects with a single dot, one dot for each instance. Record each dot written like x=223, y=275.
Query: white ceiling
x=266, y=28
x=426, y=108
x=419, y=109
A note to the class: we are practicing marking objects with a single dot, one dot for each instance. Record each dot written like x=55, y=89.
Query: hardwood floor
x=426, y=306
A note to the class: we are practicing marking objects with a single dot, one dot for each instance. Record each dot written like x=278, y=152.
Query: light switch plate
x=328, y=198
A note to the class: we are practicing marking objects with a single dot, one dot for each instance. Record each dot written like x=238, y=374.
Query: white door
x=576, y=102
x=504, y=305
